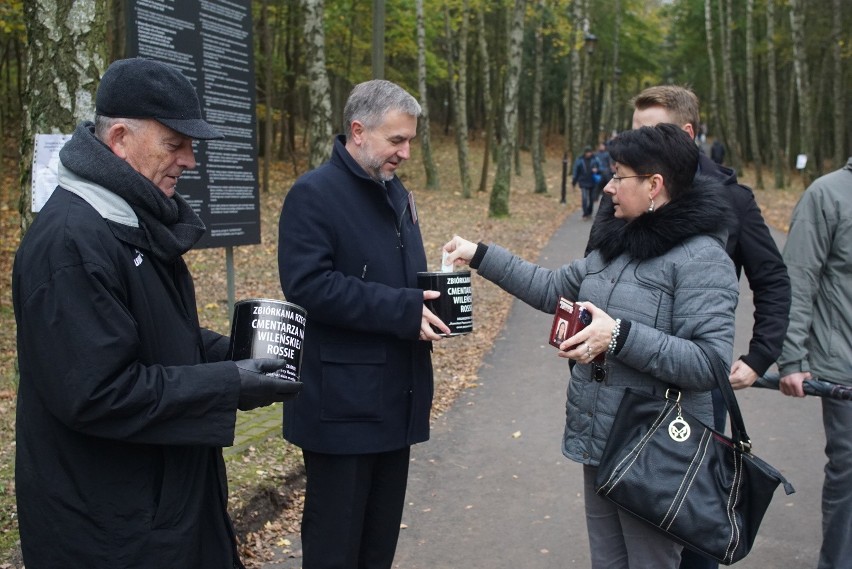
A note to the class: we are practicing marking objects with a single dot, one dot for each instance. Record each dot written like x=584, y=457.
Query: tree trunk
x=777, y=153
x=537, y=154
x=461, y=115
x=752, y=115
x=567, y=103
x=293, y=55
x=840, y=154
x=821, y=69
x=63, y=72
x=516, y=152
x=576, y=130
x=800, y=66
x=732, y=140
x=320, y=91
x=378, y=51
x=499, y=202
x=268, y=98
x=716, y=123
x=612, y=120
x=458, y=90
x=486, y=98
x=586, y=127
x=425, y=136
x=788, y=126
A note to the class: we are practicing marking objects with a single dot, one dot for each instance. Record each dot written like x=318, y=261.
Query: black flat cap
x=147, y=89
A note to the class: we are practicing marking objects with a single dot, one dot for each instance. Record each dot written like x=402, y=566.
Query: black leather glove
x=258, y=389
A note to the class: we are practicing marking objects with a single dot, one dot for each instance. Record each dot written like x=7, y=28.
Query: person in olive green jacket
x=818, y=344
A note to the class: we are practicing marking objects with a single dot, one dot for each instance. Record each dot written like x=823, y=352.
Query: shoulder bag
x=701, y=488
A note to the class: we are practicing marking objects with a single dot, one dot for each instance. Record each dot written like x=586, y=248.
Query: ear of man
x=117, y=139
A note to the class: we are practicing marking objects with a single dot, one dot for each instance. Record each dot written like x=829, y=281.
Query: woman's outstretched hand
x=459, y=251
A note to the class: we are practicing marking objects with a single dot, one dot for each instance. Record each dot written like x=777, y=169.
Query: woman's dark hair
x=664, y=149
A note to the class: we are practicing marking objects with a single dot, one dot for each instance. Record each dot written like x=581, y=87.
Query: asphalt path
x=491, y=489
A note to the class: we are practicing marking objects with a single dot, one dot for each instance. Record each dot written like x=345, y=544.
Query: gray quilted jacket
x=666, y=272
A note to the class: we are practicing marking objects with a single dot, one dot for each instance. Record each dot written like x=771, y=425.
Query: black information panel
x=210, y=42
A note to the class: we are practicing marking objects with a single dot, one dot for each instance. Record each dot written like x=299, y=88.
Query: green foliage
x=12, y=20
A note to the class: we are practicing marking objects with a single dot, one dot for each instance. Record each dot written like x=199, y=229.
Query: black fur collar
x=701, y=210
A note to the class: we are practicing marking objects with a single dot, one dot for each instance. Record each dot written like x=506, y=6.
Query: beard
x=372, y=164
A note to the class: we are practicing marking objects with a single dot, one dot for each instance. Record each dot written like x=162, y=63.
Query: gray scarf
x=168, y=227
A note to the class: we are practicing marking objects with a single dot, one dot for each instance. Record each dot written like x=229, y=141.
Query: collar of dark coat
x=726, y=176
x=168, y=227
x=699, y=211
x=394, y=192
x=345, y=160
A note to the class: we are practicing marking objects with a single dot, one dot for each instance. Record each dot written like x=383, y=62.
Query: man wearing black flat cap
x=124, y=400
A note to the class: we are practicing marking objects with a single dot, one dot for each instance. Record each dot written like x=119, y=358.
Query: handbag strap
x=738, y=430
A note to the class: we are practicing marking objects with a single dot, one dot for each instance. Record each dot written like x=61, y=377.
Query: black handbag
x=701, y=488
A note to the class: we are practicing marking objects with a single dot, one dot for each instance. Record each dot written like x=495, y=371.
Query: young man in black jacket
x=749, y=245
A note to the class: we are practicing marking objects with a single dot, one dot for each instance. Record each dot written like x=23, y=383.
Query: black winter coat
x=349, y=253
x=118, y=433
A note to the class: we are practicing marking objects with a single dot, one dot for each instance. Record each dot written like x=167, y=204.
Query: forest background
x=512, y=90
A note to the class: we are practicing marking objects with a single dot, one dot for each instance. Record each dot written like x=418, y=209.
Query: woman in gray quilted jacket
x=662, y=294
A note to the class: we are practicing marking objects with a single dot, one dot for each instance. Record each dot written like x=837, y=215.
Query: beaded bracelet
x=613, y=341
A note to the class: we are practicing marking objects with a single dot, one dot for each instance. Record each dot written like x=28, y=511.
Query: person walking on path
x=124, y=400
x=635, y=273
x=717, y=152
x=586, y=174
x=818, y=253
x=605, y=166
x=350, y=249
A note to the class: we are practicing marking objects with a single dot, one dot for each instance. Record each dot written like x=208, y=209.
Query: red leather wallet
x=568, y=320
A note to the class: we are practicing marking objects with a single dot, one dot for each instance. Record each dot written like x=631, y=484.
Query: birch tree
x=731, y=135
x=575, y=132
x=800, y=67
x=320, y=92
x=485, y=65
x=458, y=90
x=840, y=130
x=775, y=149
x=67, y=55
x=751, y=112
x=425, y=133
x=268, y=95
x=536, y=146
x=613, y=115
x=716, y=126
x=499, y=202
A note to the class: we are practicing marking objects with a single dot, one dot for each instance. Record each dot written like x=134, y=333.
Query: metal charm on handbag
x=679, y=429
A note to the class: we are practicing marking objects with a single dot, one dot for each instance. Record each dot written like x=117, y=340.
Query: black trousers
x=353, y=508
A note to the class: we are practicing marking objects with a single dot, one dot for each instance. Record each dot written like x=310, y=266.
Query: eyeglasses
x=618, y=179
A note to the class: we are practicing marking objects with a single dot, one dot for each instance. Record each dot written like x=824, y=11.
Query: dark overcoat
x=349, y=252
x=118, y=434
